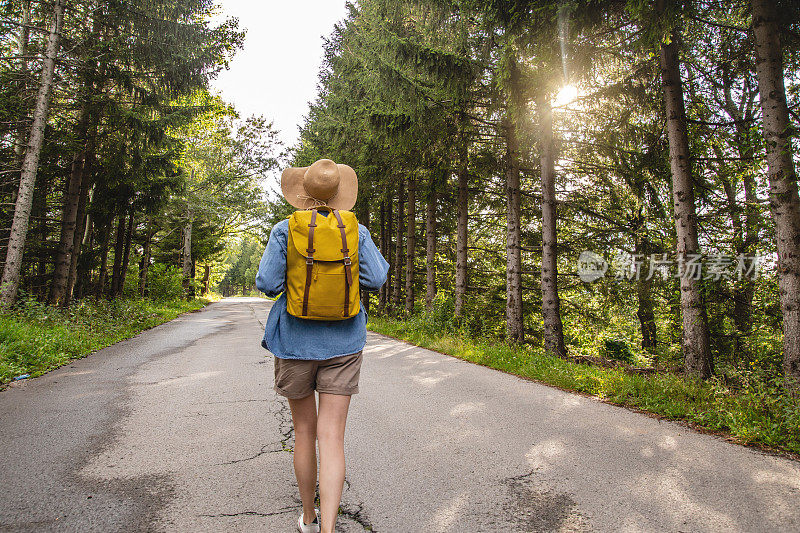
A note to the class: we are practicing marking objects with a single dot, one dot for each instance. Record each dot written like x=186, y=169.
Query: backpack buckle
x=309, y=260
x=347, y=261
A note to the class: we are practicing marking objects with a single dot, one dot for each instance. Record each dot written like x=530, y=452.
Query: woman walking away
x=320, y=258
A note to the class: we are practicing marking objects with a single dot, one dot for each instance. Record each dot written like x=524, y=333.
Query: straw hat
x=323, y=183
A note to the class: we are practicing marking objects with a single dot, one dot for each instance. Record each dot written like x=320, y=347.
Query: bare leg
x=304, y=419
x=330, y=433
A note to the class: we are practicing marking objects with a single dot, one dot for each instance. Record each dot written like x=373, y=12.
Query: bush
x=617, y=350
x=131, y=287
x=164, y=283
x=441, y=317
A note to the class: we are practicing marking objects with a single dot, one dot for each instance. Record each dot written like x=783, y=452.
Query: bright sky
x=275, y=75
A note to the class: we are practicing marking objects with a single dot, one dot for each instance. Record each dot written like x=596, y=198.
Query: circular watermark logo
x=591, y=266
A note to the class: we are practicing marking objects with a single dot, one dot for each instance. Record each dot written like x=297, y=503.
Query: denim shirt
x=290, y=337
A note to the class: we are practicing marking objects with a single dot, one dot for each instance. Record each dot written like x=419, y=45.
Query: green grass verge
x=36, y=338
x=760, y=413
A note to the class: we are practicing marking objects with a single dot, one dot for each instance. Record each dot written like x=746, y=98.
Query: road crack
x=232, y=401
x=255, y=315
x=264, y=449
x=285, y=425
x=249, y=513
x=286, y=429
x=355, y=512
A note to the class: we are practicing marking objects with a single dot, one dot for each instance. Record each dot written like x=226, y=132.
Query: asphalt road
x=179, y=429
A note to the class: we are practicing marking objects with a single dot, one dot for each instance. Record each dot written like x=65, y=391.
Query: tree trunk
x=105, y=240
x=514, y=329
x=119, y=251
x=696, y=348
x=647, y=322
x=644, y=295
x=206, y=279
x=462, y=214
x=83, y=274
x=399, y=255
x=187, y=252
x=77, y=239
x=744, y=239
x=145, y=264
x=430, y=244
x=743, y=289
x=390, y=252
x=126, y=255
x=551, y=305
x=39, y=212
x=784, y=202
x=22, y=47
x=69, y=213
x=383, y=245
x=30, y=165
x=411, y=234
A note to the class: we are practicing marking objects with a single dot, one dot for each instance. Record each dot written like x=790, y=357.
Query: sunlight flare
x=567, y=95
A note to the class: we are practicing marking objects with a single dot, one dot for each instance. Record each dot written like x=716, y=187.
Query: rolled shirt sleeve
x=271, y=275
x=372, y=267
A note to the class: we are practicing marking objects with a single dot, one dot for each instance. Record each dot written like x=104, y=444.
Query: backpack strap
x=309, y=259
x=348, y=271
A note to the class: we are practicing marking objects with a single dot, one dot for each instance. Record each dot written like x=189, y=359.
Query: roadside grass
x=36, y=338
x=759, y=413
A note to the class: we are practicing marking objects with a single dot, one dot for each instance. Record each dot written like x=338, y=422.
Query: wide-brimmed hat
x=324, y=183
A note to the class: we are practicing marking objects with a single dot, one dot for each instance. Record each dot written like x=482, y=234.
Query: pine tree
x=22, y=210
x=784, y=200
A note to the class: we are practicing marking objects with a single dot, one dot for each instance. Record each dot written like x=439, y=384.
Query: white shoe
x=313, y=527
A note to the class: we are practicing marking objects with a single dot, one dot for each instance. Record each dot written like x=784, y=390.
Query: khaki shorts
x=297, y=378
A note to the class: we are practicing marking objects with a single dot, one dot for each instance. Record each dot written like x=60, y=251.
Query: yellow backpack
x=322, y=265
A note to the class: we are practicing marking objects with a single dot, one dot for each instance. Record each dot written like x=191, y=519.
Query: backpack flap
x=327, y=237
